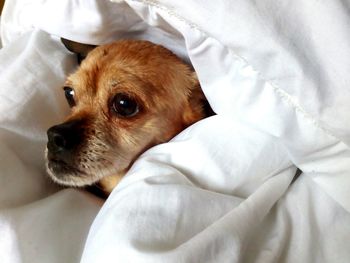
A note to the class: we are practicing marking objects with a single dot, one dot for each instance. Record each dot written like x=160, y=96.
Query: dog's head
x=125, y=97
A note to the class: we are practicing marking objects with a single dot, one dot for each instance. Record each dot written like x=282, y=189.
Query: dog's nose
x=64, y=137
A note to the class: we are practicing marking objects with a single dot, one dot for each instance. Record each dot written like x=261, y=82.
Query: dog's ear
x=81, y=50
x=198, y=106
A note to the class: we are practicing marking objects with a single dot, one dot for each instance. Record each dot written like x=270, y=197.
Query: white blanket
x=277, y=75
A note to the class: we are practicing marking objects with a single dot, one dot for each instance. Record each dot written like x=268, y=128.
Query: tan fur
x=165, y=87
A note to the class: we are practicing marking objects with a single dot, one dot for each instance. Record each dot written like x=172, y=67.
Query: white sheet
x=277, y=75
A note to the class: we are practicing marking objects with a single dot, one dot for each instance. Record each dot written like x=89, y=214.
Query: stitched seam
x=170, y=12
x=280, y=92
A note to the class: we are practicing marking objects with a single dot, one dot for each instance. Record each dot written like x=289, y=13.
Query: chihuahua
x=125, y=97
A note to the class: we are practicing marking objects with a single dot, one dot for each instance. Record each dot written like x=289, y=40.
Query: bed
x=276, y=73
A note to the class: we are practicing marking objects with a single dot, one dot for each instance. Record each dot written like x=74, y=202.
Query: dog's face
x=125, y=97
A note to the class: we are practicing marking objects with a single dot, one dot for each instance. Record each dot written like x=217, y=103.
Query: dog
x=125, y=97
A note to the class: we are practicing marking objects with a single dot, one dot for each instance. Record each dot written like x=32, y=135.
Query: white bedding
x=277, y=75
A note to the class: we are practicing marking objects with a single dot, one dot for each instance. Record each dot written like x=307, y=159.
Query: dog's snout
x=64, y=137
x=58, y=139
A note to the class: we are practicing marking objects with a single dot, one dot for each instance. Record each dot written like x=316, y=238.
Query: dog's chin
x=66, y=175
x=69, y=180
x=72, y=179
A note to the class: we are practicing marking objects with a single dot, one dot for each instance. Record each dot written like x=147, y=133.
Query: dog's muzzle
x=64, y=140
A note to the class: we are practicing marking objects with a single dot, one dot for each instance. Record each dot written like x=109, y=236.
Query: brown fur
x=165, y=88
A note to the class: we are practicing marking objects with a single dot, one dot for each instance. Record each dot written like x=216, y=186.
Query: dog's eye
x=69, y=93
x=125, y=105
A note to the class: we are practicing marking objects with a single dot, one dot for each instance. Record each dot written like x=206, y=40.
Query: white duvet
x=277, y=73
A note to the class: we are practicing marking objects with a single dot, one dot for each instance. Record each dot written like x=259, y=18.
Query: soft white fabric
x=275, y=72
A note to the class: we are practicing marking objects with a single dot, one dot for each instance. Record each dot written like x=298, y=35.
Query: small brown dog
x=125, y=97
